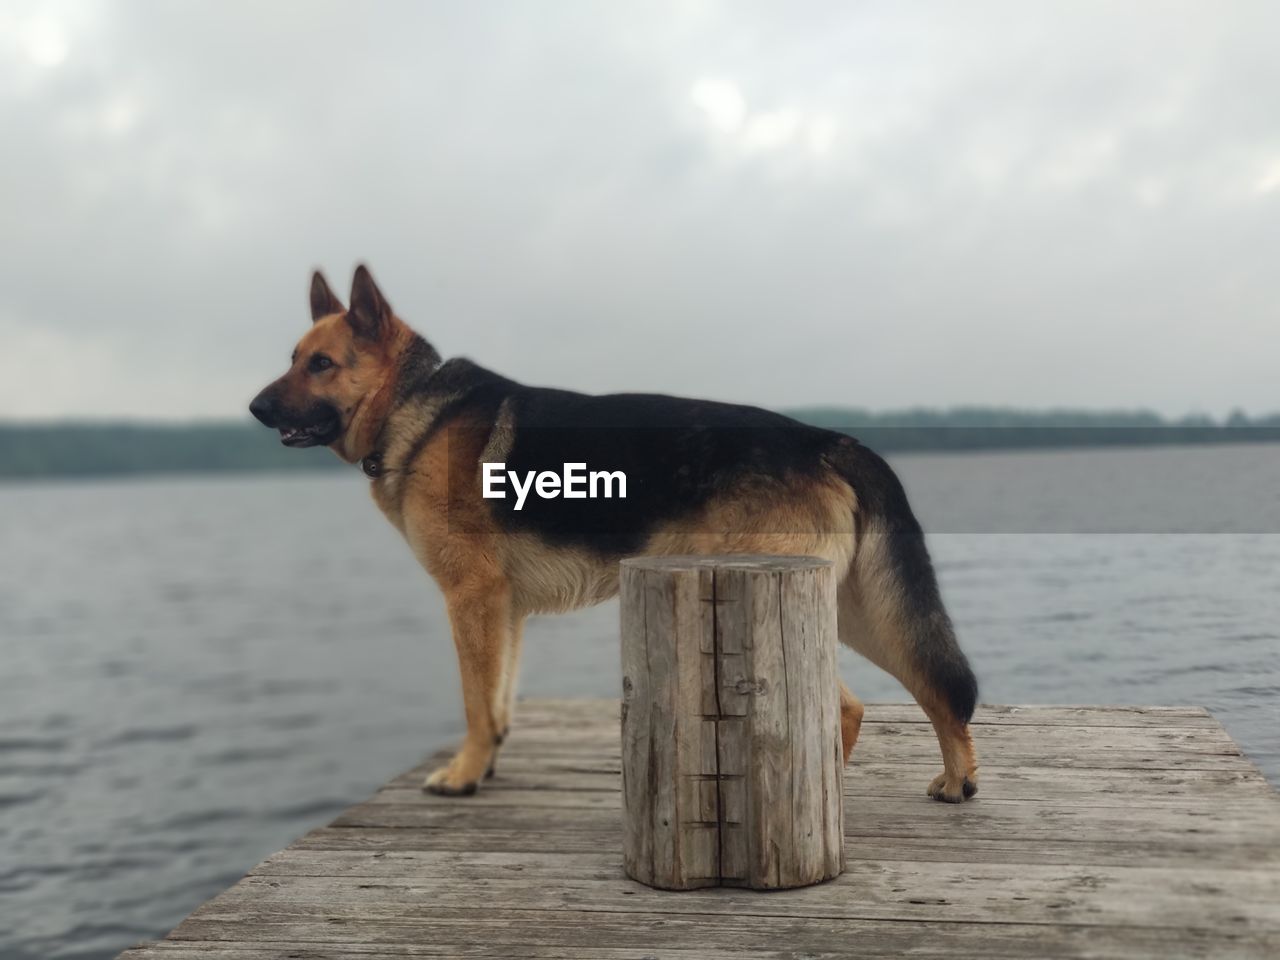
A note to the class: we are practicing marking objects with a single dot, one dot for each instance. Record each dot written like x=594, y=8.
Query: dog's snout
x=264, y=407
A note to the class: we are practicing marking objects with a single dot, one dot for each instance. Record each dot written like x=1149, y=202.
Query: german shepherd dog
x=702, y=478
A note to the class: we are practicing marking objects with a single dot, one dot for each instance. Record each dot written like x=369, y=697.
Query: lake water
x=198, y=670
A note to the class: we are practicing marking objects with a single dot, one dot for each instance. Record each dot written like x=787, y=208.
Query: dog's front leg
x=481, y=619
x=506, y=703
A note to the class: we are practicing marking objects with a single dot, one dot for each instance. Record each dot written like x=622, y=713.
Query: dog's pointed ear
x=370, y=314
x=323, y=300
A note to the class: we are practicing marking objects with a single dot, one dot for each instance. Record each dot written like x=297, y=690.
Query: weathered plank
x=1242, y=831
x=600, y=711
x=497, y=932
x=1115, y=832
x=1184, y=854
x=528, y=783
x=1242, y=899
x=1075, y=740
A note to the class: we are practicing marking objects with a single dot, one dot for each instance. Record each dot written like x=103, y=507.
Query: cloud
x=43, y=41
x=721, y=101
x=1269, y=181
x=880, y=205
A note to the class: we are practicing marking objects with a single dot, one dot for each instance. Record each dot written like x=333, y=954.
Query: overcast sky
x=873, y=204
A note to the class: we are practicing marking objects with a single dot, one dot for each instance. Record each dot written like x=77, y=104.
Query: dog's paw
x=451, y=780
x=952, y=789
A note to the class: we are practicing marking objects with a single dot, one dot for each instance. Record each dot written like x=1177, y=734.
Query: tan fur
x=867, y=607
x=510, y=680
x=361, y=386
x=550, y=579
x=501, y=437
x=868, y=611
x=850, y=720
x=801, y=519
x=399, y=436
x=450, y=530
x=959, y=759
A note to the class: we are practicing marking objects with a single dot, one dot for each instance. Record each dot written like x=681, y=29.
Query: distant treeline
x=995, y=428
x=82, y=449
x=79, y=449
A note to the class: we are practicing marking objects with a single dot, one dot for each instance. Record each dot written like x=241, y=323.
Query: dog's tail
x=898, y=620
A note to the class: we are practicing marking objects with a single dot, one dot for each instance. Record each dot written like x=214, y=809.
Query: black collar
x=372, y=466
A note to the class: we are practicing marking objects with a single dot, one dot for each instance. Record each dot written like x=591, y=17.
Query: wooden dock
x=1098, y=832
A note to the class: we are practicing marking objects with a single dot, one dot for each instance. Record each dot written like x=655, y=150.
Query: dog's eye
x=319, y=363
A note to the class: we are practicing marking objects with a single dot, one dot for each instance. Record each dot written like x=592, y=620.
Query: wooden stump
x=731, y=759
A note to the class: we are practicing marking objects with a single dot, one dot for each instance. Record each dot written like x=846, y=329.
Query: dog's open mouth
x=317, y=435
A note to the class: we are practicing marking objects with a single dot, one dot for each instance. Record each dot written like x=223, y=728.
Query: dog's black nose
x=264, y=408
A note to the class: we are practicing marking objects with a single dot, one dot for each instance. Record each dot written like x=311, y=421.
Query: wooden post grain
x=731, y=758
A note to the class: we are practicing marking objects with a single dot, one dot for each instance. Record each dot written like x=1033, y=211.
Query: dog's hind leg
x=891, y=612
x=850, y=720
x=480, y=614
x=507, y=691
